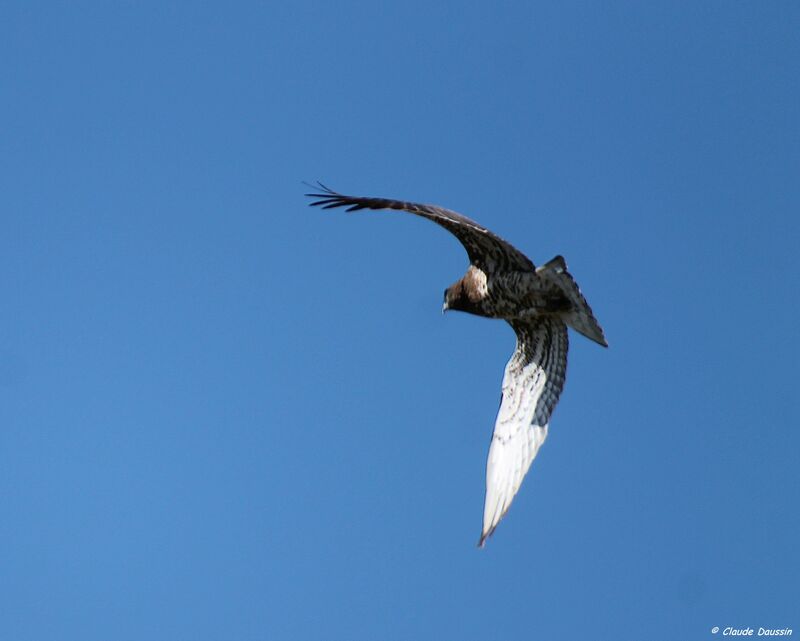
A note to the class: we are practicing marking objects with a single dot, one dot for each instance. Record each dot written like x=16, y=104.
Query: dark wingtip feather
x=318, y=186
x=326, y=198
x=324, y=195
x=485, y=536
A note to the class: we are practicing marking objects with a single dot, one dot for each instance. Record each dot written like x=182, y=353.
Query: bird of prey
x=539, y=303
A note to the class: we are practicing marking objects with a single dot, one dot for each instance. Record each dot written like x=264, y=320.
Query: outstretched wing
x=532, y=383
x=485, y=250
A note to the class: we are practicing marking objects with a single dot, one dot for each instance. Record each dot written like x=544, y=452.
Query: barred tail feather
x=579, y=317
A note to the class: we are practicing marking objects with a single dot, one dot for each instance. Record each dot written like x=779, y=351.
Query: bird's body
x=539, y=304
x=510, y=296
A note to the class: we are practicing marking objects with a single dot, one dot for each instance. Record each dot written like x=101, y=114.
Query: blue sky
x=225, y=415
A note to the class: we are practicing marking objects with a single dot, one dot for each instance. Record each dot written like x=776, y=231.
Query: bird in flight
x=539, y=303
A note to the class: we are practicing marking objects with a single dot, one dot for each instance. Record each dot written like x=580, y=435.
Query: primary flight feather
x=539, y=303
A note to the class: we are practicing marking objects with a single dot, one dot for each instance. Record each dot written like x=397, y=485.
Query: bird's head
x=457, y=297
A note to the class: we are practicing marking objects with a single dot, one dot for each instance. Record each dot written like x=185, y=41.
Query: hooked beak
x=445, y=307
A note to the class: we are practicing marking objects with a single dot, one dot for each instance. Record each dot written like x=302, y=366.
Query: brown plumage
x=539, y=304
